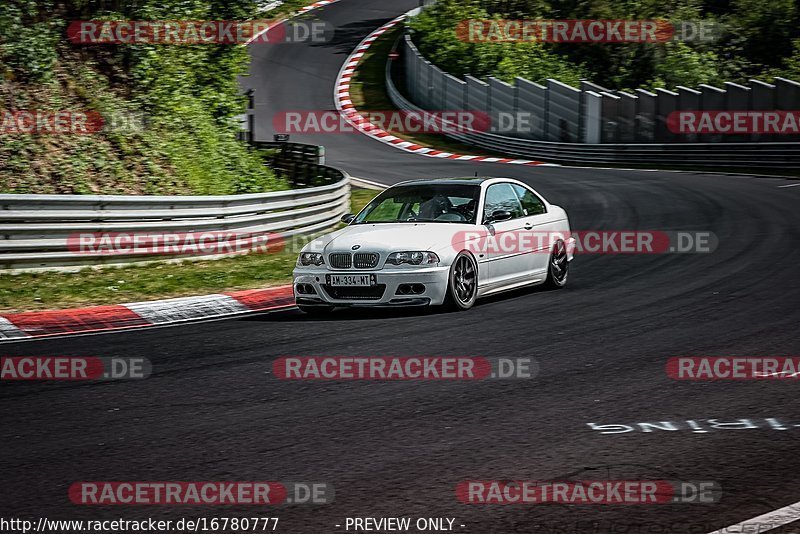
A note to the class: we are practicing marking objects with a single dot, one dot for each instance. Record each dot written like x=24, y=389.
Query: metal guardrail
x=744, y=155
x=703, y=155
x=302, y=164
x=39, y=231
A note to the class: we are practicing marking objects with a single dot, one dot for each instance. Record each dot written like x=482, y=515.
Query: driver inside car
x=433, y=208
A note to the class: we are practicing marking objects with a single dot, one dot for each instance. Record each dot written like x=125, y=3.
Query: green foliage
x=438, y=41
x=754, y=39
x=187, y=96
x=684, y=65
x=791, y=65
x=767, y=29
x=28, y=42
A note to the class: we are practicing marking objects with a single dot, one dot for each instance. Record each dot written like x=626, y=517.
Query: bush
x=758, y=40
x=28, y=44
x=188, y=96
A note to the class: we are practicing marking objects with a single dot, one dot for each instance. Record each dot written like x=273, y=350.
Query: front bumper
x=433, y=278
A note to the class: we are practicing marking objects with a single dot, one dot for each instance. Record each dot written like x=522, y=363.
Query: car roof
x=472, y=180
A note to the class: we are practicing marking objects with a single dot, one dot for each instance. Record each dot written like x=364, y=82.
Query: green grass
x=115, y=285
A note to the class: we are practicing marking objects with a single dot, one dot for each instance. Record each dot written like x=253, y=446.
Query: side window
x=531, y=204
x=501, y=197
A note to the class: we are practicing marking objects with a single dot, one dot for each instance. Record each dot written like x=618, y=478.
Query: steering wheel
x=466, y=209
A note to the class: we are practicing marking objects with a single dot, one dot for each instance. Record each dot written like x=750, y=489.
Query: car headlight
x=412, y=258
x=310, y=258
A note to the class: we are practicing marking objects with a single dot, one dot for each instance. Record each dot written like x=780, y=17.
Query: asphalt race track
x=213, y=411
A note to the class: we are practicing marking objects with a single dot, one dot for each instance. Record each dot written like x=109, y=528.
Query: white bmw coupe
x=437, y=242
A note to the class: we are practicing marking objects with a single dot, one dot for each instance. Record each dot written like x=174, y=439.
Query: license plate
x=351, y=280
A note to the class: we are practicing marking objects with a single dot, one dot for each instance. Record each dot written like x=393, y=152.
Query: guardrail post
x=787, y=98
x=737, y=98
x=502, y=110
x=626, y=108
x=666, y=103
x=586, y=85
x=762, y=99
x=712, y=99
x=645, y=124
x=610, y=111
x=592, y=117
x=688, y=100
x=532, y=99
x=563, y=112
x=455, y=94
x=477, y=94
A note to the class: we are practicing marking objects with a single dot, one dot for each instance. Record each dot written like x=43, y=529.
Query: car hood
x=391, y=237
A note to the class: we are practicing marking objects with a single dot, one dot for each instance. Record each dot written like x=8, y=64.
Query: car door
x=537, y=223
x=505, y=260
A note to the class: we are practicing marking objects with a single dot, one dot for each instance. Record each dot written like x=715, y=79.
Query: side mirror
x=499, y=216
x=347, y=219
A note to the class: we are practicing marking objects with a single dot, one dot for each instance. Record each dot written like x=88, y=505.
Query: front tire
x=557, y=267
x=462, y=283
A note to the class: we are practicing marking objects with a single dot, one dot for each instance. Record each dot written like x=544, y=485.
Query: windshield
x=445, y=203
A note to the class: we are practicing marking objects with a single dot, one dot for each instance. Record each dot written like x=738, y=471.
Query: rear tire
x=462, y=283
x=557, y=266
x=316, y=310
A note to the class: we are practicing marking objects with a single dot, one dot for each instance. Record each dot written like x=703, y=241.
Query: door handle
x=528, y=226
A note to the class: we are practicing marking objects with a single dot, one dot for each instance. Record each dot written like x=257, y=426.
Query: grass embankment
x=115, y=285
x=168, y=110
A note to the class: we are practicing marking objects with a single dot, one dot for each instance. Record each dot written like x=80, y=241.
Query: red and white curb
x=763, y=523
x=20, y=326
x=345, y=106
x=301, y=11
x=315, y=5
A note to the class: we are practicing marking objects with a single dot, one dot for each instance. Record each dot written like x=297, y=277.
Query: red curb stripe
x=45, y=323
x=116, y=317
x=348, y=110
x=265, y=299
